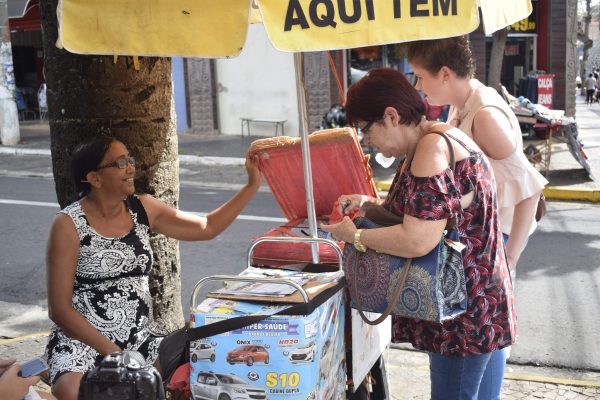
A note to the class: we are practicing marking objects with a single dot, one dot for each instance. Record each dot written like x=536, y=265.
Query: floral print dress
x=490, y=321
x=111, y=291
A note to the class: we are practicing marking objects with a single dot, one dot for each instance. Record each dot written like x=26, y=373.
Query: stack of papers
x=274, y=289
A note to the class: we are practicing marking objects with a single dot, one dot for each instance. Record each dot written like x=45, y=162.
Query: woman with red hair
x=425, y=193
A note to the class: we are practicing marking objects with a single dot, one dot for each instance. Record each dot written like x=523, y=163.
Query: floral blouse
x=490, y=321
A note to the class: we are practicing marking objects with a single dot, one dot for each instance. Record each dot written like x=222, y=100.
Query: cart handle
x=328, y=242
x=237, y=278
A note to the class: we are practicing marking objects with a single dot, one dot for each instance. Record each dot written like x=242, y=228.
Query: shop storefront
x=361, y=60
x=520, y=54
x=27, y=52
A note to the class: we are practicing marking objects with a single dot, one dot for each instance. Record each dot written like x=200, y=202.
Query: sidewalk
x=408, y=373
x=568, y=180
x=407, y=369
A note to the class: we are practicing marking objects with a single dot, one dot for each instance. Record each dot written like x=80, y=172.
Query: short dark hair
x=87, y=158
x=381, y=88
x=454, y=53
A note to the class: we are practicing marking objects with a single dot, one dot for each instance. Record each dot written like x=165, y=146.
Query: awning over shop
x=208, y=28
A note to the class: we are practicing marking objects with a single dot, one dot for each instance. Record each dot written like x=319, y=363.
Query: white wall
x=259, y=83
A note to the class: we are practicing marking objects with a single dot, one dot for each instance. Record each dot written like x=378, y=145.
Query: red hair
x=381, y=88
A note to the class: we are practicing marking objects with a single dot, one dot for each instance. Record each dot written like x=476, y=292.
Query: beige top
x=516, y=178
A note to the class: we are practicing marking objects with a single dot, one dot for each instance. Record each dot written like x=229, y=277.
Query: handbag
x=541, y=208
x=431, y=287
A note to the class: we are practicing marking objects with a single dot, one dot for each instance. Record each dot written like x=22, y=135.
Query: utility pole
x=9, y=116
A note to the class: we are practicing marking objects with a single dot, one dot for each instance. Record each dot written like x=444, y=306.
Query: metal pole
x=9, y=116
x=308, y=183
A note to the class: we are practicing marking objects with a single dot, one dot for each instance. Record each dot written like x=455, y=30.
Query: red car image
x=248, y=354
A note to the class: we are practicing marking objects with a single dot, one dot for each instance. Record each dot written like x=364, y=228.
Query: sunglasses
x=120, y=163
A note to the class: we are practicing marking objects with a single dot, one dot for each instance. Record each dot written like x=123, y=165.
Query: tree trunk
x=90, y=96
x=496, y=58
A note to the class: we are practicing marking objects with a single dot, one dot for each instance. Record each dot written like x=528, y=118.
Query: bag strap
x=232, y=324
x=395, y=295
x=406, y=268
x=454, y=221
x=450, y=148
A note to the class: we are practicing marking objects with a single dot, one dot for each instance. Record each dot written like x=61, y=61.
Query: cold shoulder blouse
x=490, y=321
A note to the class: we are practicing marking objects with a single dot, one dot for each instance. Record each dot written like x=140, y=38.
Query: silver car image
x=203, y=351
x=214, y=386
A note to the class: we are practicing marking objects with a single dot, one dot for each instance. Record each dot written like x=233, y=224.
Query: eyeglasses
x=120, y=163
x=365, y=129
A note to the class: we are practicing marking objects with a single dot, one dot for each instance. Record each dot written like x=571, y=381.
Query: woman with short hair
x=426, y=193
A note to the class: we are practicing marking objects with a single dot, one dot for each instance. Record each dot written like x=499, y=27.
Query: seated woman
x=99, y=258
x=426, y=192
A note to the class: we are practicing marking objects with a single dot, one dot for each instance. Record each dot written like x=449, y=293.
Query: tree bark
x=496, y=58
x=91, y=95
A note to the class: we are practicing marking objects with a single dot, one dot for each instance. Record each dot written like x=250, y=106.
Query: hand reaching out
x=254, y=174
x=343, y=231
x=12, y=386
x=351, y=203
x=5, y=364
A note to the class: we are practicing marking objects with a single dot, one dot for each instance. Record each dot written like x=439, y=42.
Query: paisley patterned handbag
x=430, y=288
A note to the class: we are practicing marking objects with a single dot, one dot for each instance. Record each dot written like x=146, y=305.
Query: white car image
x=203, y=351
x=305, y=353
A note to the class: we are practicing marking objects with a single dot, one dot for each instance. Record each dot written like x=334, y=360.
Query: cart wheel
x=267, y=360
x=194, y=358
x=250, y=361
x=212, y=358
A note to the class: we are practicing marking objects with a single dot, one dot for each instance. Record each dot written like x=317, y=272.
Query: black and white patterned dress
x=111, y=291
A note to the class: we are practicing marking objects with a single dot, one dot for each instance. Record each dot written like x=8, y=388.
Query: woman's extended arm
x=522, y=220
x=414, y=237
x=61, y=262
x=185, y=226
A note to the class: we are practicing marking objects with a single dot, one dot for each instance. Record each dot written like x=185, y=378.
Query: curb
x=183, y=158
x=553, y=380
x=554, y=193
x=22, y=338
x=508, y=375
x=23, y=152
x=551, y=193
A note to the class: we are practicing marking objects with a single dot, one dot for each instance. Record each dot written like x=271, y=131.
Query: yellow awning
x=210, y=28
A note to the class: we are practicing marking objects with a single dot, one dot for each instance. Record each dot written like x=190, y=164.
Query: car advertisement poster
x=280, y=357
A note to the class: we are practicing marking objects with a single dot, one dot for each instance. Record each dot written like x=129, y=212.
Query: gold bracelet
x=358, y=245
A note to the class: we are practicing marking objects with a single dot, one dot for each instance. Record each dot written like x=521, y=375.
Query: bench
x=277, y=122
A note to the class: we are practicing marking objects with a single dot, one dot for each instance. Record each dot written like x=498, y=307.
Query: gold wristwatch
x=358, y=245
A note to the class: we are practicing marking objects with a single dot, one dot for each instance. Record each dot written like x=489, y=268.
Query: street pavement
x=407, y=369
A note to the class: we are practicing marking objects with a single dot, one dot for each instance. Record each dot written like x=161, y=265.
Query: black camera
x=122, y=376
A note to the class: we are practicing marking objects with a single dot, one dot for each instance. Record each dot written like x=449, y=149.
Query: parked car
x=203, y=351
x=212, y=386
x=305, y=353
x=248, y=354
